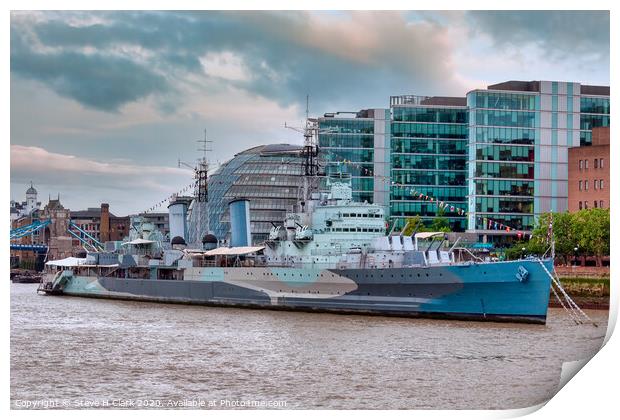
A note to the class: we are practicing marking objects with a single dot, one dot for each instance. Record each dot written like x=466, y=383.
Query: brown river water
x=69, y=352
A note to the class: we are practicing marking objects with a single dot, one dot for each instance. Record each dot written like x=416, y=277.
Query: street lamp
x=575, y=256
x=522, y=252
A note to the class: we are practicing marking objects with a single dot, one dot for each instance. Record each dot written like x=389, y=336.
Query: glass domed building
x=269, y=176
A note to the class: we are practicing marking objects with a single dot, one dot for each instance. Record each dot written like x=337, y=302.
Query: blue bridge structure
x=88, y=241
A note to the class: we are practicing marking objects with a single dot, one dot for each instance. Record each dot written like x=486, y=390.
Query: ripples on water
x=91, y=349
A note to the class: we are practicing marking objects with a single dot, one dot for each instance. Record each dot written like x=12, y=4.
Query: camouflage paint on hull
x=488, y=291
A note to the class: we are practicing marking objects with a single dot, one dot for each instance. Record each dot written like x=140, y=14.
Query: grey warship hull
x=476, y=291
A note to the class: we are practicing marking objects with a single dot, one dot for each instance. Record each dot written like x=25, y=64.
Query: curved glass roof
x=268, y=175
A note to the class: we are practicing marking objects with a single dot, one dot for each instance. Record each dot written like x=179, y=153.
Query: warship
x=331, y=255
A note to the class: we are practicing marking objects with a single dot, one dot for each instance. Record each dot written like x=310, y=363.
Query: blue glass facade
x=500, y=153
x=502, y=137
x=428, y=155
x=594, y=113
x=519, y=135
x=350, y=140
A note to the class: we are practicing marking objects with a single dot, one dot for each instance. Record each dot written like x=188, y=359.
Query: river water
x=72, y=352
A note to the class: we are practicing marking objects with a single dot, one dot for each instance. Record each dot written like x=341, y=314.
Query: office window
x=595, y=163
x=585, y=186
x=586, y=164
x=602, y=205
x=580, y=164
x=581, y=205
x=585, y=204
x=601, y=184
x=580, y=185
x=595, y=204
x=601, y=163
x=596, y=184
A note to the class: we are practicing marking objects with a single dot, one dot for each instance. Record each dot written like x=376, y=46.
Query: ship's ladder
x=573, y=310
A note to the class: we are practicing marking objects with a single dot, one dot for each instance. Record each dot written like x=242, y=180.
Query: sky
x=104, y=104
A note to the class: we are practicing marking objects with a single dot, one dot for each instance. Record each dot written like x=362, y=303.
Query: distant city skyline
x=103, y=104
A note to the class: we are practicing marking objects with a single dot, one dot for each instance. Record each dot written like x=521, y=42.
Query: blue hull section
x=492, y=291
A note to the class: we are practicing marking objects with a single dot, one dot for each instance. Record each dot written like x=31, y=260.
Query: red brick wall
x=593, y=174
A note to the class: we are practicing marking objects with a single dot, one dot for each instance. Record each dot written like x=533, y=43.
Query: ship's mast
x=310, y=163
x=202, y=169
x=199, y=212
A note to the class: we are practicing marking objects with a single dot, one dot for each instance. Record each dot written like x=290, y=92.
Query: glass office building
x=428, y=155
x=358, y=144
x=269, y=176
x=594, y=111
x=500, y=153
x=519, y=135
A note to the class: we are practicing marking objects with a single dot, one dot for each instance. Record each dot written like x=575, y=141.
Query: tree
x=440, y=224
x=413, y=224
x=587, y=229
x=592, y=232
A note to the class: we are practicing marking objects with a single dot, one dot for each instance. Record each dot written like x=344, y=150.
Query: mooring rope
x=574, y=308
x=568, y=311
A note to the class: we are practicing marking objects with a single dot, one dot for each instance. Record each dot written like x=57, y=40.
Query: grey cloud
x=96, y=80
x=560, y=33
x=275, y=47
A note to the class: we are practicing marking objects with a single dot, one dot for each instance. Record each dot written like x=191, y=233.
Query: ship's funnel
x=240, y=234
x=177, y=217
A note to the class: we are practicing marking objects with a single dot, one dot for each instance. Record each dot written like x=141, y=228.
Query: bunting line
x=180, y=192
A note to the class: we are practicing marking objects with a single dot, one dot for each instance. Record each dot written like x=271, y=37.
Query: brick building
x=588, y=173
x=101, y=224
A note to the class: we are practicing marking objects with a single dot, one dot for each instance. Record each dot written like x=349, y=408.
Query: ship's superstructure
x=333, y=231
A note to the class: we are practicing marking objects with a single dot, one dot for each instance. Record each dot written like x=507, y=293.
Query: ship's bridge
x=363, y=218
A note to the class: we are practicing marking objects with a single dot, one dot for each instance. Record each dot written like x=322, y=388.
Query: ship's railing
x=460, y=250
